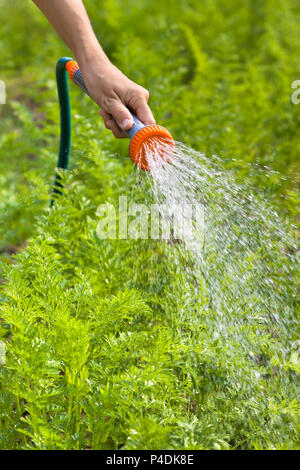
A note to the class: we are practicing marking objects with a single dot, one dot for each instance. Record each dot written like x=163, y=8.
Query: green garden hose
x=65, y=122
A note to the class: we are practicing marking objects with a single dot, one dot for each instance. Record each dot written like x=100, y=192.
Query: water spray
x=233, y=255
x=141, y=137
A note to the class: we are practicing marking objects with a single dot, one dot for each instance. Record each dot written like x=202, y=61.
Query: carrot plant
x=108, y=344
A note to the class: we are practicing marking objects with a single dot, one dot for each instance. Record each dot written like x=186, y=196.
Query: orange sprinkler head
x=72, y=67
x=149, y=138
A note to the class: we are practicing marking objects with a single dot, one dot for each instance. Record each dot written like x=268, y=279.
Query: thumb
x=121, y=115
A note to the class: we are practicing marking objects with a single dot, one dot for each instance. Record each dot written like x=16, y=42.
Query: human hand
x=108, y=87
x=115, y=93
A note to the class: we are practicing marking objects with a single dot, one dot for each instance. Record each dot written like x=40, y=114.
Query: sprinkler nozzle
x=149, y=139
x=142, y=138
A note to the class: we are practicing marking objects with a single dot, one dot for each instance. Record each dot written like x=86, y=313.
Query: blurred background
x=113, y=343
x=219, y=73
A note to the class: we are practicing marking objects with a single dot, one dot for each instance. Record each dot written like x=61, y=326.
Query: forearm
x=108, y=87
x=70, y=20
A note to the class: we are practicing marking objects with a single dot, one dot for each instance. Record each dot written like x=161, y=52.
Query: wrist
x=91, y=55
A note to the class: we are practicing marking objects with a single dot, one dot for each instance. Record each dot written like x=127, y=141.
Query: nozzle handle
x=76, y=77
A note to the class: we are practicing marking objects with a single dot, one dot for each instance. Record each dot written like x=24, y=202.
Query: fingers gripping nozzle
x=142, y=138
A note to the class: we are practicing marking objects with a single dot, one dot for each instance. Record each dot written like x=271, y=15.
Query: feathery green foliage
x=108, y=343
